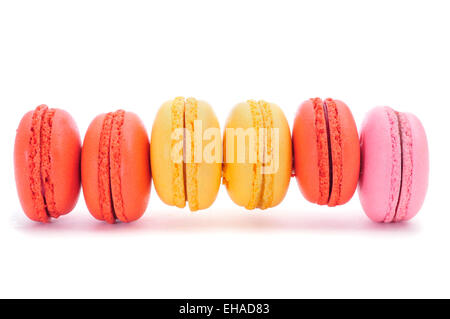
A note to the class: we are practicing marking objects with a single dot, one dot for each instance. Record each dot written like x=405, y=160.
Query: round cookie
x=394, y=165
x=326, y=151
x=115, y=167
x=257, y=155
x=186, y=153
x=47, y=163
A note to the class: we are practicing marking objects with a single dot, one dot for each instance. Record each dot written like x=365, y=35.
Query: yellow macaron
x=257, y=155
x=186, y=153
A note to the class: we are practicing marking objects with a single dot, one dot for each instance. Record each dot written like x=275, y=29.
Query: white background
x=90, y=57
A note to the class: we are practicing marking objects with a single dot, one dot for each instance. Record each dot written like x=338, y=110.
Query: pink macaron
x=394, y=165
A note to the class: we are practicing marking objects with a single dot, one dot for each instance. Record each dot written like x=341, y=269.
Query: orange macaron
x=326, y=151
x=47, y=163
x=115, y=167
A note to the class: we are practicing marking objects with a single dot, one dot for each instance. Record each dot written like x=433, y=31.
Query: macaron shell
x=132, y=171
x=380, y=175
x=306, y=154
x=22, y=171
x=161, y=158
x=238, y=176
x=282, y=176
x=65, y=153
x=246, y=185
x=90, y=171
x=62, y=164
x=346, y=156
x=420, y=167
x=208, y=175
x=126, y=185
x=312, y=157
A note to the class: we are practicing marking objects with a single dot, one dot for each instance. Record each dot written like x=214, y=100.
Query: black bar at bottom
x=217, y=308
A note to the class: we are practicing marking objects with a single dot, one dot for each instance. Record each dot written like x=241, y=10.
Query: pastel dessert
x=115, y=167
x=326, y=151
x=257, y=155
x=186, y=153
x=394, y=165
x=47, y=163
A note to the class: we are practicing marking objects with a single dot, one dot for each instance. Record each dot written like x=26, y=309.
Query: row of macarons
x=117, y=161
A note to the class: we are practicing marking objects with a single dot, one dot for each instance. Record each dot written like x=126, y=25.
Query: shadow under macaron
x=176, y=221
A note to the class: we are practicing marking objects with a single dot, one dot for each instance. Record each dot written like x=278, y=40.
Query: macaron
x=257, y=155
x=394, y=165
x=326, y=151
x=186, y=153
x=115, y=167
x=47, y=163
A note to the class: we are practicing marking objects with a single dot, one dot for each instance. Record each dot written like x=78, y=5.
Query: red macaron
x=115, y=167
x=47, y=163
x=326, y=151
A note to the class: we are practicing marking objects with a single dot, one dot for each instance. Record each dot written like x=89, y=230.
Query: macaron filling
x=115, y=162
x=190, y=165
x=257, y=179
x=402, y=166
x=42, y=188
x=335, y=145
x=404, y=195
x=329, y=150
x=184, y=113
x=267, y=188
x=109, y=156
x=330, y=157
x=262, y=183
